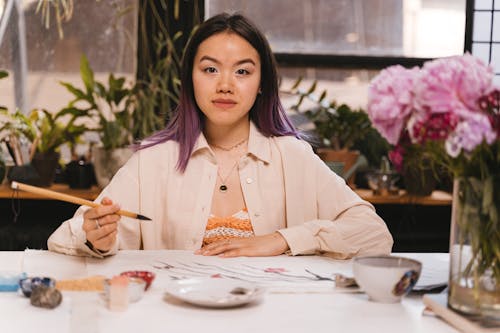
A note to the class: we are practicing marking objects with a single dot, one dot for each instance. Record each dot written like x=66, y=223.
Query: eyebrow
x=240, y=62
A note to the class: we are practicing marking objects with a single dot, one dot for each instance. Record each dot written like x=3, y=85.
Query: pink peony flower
x=449, y=106
x=452, y=84
x=391, y=100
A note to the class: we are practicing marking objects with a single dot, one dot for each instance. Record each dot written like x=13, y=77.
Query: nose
x=225, y=84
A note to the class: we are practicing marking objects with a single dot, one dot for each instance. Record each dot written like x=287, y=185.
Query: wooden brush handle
x=64, y=197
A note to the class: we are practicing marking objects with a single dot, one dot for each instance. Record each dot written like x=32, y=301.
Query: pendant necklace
x=223, y=180
x=229, y=148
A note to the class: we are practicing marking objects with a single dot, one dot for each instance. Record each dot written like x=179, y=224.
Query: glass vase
x=474, y=282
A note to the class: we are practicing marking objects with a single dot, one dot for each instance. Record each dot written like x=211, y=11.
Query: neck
x=227, y=136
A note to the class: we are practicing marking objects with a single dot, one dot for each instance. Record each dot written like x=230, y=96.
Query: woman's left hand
x=258, y=246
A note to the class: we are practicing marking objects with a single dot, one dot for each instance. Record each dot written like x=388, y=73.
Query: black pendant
x=223, y=188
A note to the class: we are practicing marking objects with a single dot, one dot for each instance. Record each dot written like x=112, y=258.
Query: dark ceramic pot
x=3, y=169
x=45, y=164
x=24, y=174
x=80, y=174
x=419, y=182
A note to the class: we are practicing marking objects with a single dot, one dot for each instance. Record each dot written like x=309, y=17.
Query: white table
x=308, y=308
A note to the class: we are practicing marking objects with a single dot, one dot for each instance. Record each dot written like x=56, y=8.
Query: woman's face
x=226, y=79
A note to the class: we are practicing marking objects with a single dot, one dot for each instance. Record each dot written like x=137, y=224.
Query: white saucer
x=215, y=292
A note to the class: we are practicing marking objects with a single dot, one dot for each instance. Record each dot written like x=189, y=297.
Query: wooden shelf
x=90, y=194
x=437, y=198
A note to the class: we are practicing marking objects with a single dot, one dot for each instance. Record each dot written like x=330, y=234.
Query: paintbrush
x=69, y=198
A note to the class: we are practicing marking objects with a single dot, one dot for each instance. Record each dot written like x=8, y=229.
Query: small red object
x=145, y=275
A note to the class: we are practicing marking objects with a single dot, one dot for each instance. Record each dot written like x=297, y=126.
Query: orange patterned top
x=235, y=226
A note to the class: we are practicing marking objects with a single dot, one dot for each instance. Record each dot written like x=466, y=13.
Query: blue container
x=9, y=281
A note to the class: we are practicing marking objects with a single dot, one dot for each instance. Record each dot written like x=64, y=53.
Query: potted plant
x=17, y=130
x=3, y=74
x=110, y=115
x=51, y=133
x=43, y=133
x=337, y=128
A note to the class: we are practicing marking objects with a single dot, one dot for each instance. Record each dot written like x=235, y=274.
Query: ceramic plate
x=215, y=292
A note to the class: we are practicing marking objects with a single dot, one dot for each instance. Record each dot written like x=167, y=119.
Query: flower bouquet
x=447, y=113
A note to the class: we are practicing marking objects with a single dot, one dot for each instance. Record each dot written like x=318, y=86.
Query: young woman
x=229, y=175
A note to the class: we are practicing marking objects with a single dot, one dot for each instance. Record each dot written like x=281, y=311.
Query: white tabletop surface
x=292, y=303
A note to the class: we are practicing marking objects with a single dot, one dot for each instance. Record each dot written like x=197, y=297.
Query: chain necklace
x=229, y=148
x=223, y=180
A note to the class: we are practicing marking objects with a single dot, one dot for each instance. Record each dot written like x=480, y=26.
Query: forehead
x=226, y=46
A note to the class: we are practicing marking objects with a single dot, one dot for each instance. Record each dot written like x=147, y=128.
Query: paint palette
x=215, y=292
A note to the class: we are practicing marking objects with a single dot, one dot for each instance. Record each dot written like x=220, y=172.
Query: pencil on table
x=70, y=198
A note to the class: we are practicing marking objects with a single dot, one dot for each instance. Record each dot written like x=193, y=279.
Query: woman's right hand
x=101, y=225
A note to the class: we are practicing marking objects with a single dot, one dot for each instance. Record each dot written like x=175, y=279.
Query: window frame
x=332, y=60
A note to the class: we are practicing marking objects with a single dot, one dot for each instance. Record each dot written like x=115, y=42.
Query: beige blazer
x=286, y=187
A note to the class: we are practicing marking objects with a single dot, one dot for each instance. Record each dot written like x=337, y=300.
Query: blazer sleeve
x=335, y=220
x=69, y=237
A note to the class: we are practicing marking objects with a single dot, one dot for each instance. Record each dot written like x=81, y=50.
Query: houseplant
x=109, y=113
x=51, y=133
x=3, y=168
x=17, y=130
x=337, y=128
x=43, y=133
x=391, y=102
x=451, y=110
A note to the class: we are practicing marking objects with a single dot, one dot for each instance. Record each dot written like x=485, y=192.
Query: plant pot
x=107, y=163
x=419, y=182
x=24, y=174
x=3, y=171
x=347, y=157
x=474, y=286
x=45, y=164
x=80, y=174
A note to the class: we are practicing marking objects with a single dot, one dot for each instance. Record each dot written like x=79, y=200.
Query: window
x=343, y=43
x=486, y=33
x=105, y=31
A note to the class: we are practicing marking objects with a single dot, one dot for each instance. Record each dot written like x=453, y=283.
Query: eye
x=210, y=70
x=242, y=72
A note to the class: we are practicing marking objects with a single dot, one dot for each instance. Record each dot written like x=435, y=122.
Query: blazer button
x=249, y=180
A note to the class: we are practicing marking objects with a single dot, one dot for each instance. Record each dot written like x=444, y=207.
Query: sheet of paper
x=280, y=274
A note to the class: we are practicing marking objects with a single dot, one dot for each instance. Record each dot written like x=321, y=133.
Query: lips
x=224, y=103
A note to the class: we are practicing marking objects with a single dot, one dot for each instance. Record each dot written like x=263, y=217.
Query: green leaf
x=100, y=89
x=312, y=88
x=79, y=94
x=87, y=74
x=3, y=74
x=297, y=83
x=322, y=96
x=74, y=112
